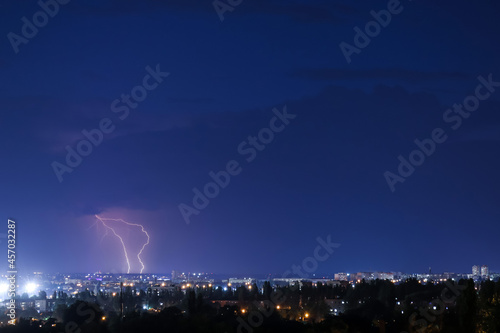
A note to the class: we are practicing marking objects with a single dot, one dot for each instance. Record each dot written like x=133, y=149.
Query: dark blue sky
x=322, y=175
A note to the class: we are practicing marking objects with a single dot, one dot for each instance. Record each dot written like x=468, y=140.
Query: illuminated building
x=485, y=272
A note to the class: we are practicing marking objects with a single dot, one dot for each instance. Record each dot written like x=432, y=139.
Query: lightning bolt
x=103, y=221
x=95, y=224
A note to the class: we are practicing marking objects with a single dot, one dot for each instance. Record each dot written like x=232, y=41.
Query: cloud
x=54, y=124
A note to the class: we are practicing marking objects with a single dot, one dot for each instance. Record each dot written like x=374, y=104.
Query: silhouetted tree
x=84, y=317
x=467, y=308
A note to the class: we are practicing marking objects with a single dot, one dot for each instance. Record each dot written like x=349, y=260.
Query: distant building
x=178, y=276
x=475, y=270
x=495, y=276
x=383, y=276
x=485, y=272
x=41, y=305
x=287, y=281
x=363, y=276
x=25, y=304
x=372, y=276
x=333, y=283
x=341, y=276
x=243, y=281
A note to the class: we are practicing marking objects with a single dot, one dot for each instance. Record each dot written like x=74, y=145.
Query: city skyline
x=476, y=271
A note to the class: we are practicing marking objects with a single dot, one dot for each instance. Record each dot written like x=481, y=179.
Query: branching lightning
x=103, y=221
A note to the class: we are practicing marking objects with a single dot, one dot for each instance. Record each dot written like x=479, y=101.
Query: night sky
x=324, y=173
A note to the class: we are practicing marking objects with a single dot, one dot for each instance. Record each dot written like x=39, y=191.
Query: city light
x=31, y=287
x=4, y=287
x=77, y=284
